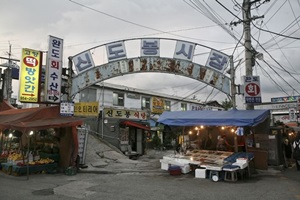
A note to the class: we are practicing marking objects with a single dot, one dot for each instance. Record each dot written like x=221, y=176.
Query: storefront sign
x=67, y=108
x=277, y=106
x=158, y=105
x=124, y=114
x=29, y=76
x=284, y=99
x=292, y=115
x=252, y=90
x=54, y=70
x=87, y=109
x=133, y=95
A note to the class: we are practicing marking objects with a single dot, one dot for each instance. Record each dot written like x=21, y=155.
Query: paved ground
x=111, y=175
x=104, y=158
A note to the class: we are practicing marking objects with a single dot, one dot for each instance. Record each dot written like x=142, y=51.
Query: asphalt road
x=136, y=186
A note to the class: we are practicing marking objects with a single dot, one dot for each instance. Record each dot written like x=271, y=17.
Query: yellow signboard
x=124, y=114
x=86, y=109
x=29, y=76
x=158, y=105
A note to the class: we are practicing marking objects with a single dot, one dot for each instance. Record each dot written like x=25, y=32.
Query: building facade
x=127, y=116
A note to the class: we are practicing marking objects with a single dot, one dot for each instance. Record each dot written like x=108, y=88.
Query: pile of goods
x=42, y=161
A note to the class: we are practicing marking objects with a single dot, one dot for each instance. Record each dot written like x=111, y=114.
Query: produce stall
x=208, y=163
x=37, y=139
x=211, y=163
x=41, y=166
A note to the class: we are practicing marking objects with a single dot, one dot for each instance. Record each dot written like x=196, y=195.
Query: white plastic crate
x=164, y=164
x=200, y=173
x=185, y=169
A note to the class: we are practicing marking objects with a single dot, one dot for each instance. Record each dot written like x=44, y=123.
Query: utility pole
x=7, y=79
x=250, y=53
x=248, y=47
x=232, y=77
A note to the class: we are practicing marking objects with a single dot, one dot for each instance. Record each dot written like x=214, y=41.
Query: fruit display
x=42, y=161
x=15, y=156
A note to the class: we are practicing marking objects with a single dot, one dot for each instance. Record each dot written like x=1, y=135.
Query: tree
x=227, y=104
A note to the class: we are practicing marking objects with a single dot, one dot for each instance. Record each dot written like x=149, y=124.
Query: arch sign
x=150, y=55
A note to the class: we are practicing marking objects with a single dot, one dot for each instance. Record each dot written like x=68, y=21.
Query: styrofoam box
x=241, y=165
x=185, y=169
x=164, y=164
x=241, y=160
x=200, y=173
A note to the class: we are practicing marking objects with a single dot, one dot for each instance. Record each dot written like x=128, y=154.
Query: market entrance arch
x=153, y=55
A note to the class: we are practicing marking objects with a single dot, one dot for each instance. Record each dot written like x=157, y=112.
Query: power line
x=296, y=38
x=133, y=23
x=277, y=63
x=272, y=79
x=171, y=31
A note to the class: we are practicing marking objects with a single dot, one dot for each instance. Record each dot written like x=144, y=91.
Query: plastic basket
x=70, y=171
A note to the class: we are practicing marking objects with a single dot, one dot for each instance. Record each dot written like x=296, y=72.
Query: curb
x=123, y=171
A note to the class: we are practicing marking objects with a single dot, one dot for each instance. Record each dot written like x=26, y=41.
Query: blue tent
x=214, y=118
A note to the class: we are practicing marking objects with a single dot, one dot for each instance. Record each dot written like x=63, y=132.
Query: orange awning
x=135, y=124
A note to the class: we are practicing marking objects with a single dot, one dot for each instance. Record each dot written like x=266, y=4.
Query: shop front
x=35, y=140
x=125, y=129
x=211, y=127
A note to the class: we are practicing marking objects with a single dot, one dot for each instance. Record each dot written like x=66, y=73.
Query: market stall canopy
x=4, y=105
x=39, y=118
x=214, y=118
x=135, y=124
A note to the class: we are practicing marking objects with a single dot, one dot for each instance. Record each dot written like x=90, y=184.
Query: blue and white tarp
x=233, y=117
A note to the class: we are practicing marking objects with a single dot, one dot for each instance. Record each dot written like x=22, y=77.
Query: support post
x=248, y=46
x=70, y=64
x=232, y=77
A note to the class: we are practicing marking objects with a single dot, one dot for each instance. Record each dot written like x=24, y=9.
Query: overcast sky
x=84, y=24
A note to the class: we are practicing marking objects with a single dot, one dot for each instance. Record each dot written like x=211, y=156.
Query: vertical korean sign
x=252, y=92
x=29, y=75
x=54, y=70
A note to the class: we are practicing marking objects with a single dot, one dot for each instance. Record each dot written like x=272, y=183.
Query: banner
x=29, y=76
x=54, y=70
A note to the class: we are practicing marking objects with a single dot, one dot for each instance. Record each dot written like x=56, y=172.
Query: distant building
x=128, y=115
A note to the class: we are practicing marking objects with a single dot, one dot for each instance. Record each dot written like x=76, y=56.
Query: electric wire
x=277, y=64
x=130, y=22
x=274, y=39
x=270, y=77
x=282, y=35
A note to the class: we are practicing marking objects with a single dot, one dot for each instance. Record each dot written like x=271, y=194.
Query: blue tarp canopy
x=214, y=118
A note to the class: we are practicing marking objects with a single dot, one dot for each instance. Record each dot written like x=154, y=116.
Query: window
x=183, y=106
x=118, y=99
x=167, y=105
x=88, y=95
x=145, y=102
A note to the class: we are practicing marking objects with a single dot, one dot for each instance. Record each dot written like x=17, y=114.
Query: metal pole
x=232, y=77
x=9, y=79
x=248, y=46
x=27, y=165
x=233, y=93
x=102, y=121
x=70, y=64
